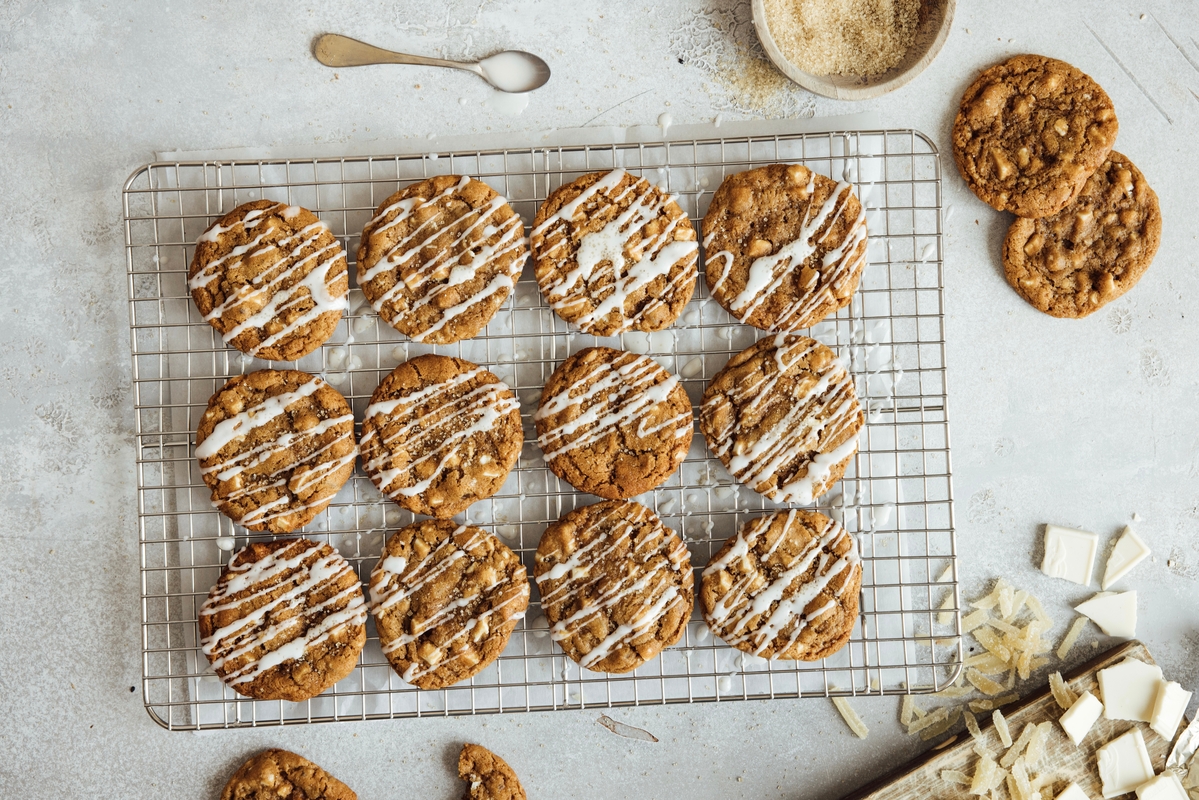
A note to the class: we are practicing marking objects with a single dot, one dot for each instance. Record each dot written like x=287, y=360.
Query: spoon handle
x=334, y=50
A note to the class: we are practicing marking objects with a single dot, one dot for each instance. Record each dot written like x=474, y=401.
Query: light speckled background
x=1078, y=422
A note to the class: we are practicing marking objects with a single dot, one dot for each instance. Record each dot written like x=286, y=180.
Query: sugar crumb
x=843, y=37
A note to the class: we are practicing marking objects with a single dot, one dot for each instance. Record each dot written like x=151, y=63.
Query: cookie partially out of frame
x=489, y=777
x=275, y=774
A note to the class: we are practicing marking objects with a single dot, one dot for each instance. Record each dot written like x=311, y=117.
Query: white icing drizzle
x=274, y=289
x=259, y=639
x=650, y=259
x=769, y=272
x=621, y=391
x=447, y=424
x=657, y=573
x=761, y=615
x=810, y=422
x=421, y=282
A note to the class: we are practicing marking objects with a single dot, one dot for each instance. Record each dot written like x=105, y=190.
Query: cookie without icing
x=616, y=585
x=275, y=774
x=614, y=253
x=271, y=278
x=1074, y=262
x=440, y=257
x=446, y=598
x=285, y=621
x=786, y=587
x=1030, y=132
x=784, y=247
x=489, y=775
x=274, y=447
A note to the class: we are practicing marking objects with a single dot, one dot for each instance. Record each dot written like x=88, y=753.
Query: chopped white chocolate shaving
x=1115, y=614
x=1127, y=553
x=1001, y=727
x=1072, y=792
x=851, y=717
x=1129, y=690
x=1079, y=718
x=1071, y=637
x=1168, y=708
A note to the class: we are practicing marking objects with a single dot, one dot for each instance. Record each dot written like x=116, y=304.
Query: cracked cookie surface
x=613, y=423
x=1030, y=132
x=488, y=775
x=785, y=586
x=274, y=447
x=446, y=598
x=274, y=774
x=271, y=278
x=285, y=621
x=439, y=434
x=616, y=585
x=1074, y=262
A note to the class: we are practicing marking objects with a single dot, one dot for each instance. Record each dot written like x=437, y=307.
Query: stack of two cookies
x=1034, y=136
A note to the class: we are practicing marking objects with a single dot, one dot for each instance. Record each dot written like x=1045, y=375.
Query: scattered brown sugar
x=843, y=37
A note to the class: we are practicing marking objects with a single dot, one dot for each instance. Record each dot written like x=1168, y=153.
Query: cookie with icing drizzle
x=439, y=258
x=783, y=417
x=1072, y=263
x=612, y=423
x=439, y=434
x=786, y=586
x=274, y=447
x=615, y=583
x=285, y=621
x=614, y=253
x=271, y=278
x=489, y=776
x=273, y=774
x=784, y=247
x=445, y=598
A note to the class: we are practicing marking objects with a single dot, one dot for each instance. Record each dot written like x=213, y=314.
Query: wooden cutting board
x=921, y=778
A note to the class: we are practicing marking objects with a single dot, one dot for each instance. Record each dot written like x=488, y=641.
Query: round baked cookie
x=275, y=774
x=612, y=423
x=614, y=253
x=440, y=256
x=786, y=586
x=489, y=775
x=285, y=621
x=1074, y=262
x=783, y=417
x=439, y=434
x=445, y=598
x=616, y=585
x=274, y=446
x=271, y=278
x=1030, y=132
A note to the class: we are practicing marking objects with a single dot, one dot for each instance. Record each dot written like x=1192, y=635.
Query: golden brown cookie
x=783, y=417
x=274, y=447
x=271, y=278
x=489, y=775
x=784, y=247
x=786, y=586
x=1030, y=132
x=616, y=585
x=1074, y=262
x=275, y=774
x=445, y=598
x=285, y=621
x=612, y=423
x=440, y=257
x=439, y=434
x=614, y=253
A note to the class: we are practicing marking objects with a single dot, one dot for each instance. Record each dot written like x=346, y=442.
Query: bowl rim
x=826, y=88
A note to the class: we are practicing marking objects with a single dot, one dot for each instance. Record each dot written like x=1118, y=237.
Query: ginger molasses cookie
x=440, y=257
x=489, y=775
x=271, y=278
x=275, y=774
x=445, y=598
x=439, y=434
x=784, y=246
x=786, y=586
x=1073, y=262
x=1030, y=132
x=274, y=447
x=783, y=417
x=612, y=423
x=285, y=621
x=616, y=585
x=614, y=253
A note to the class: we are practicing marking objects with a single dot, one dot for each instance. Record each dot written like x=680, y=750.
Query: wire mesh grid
x=896, y=496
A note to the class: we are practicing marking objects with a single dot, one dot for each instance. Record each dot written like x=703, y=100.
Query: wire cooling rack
x=896, y=496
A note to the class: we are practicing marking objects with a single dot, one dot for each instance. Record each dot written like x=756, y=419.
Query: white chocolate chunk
x=1129, y=689
x=1077, y=721
x=1124, y=764
x=1072, y=792
x=1128, y=552
x=1069, y=554
x=1115, y=614
x=1164, y=787
x=1168, y=708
